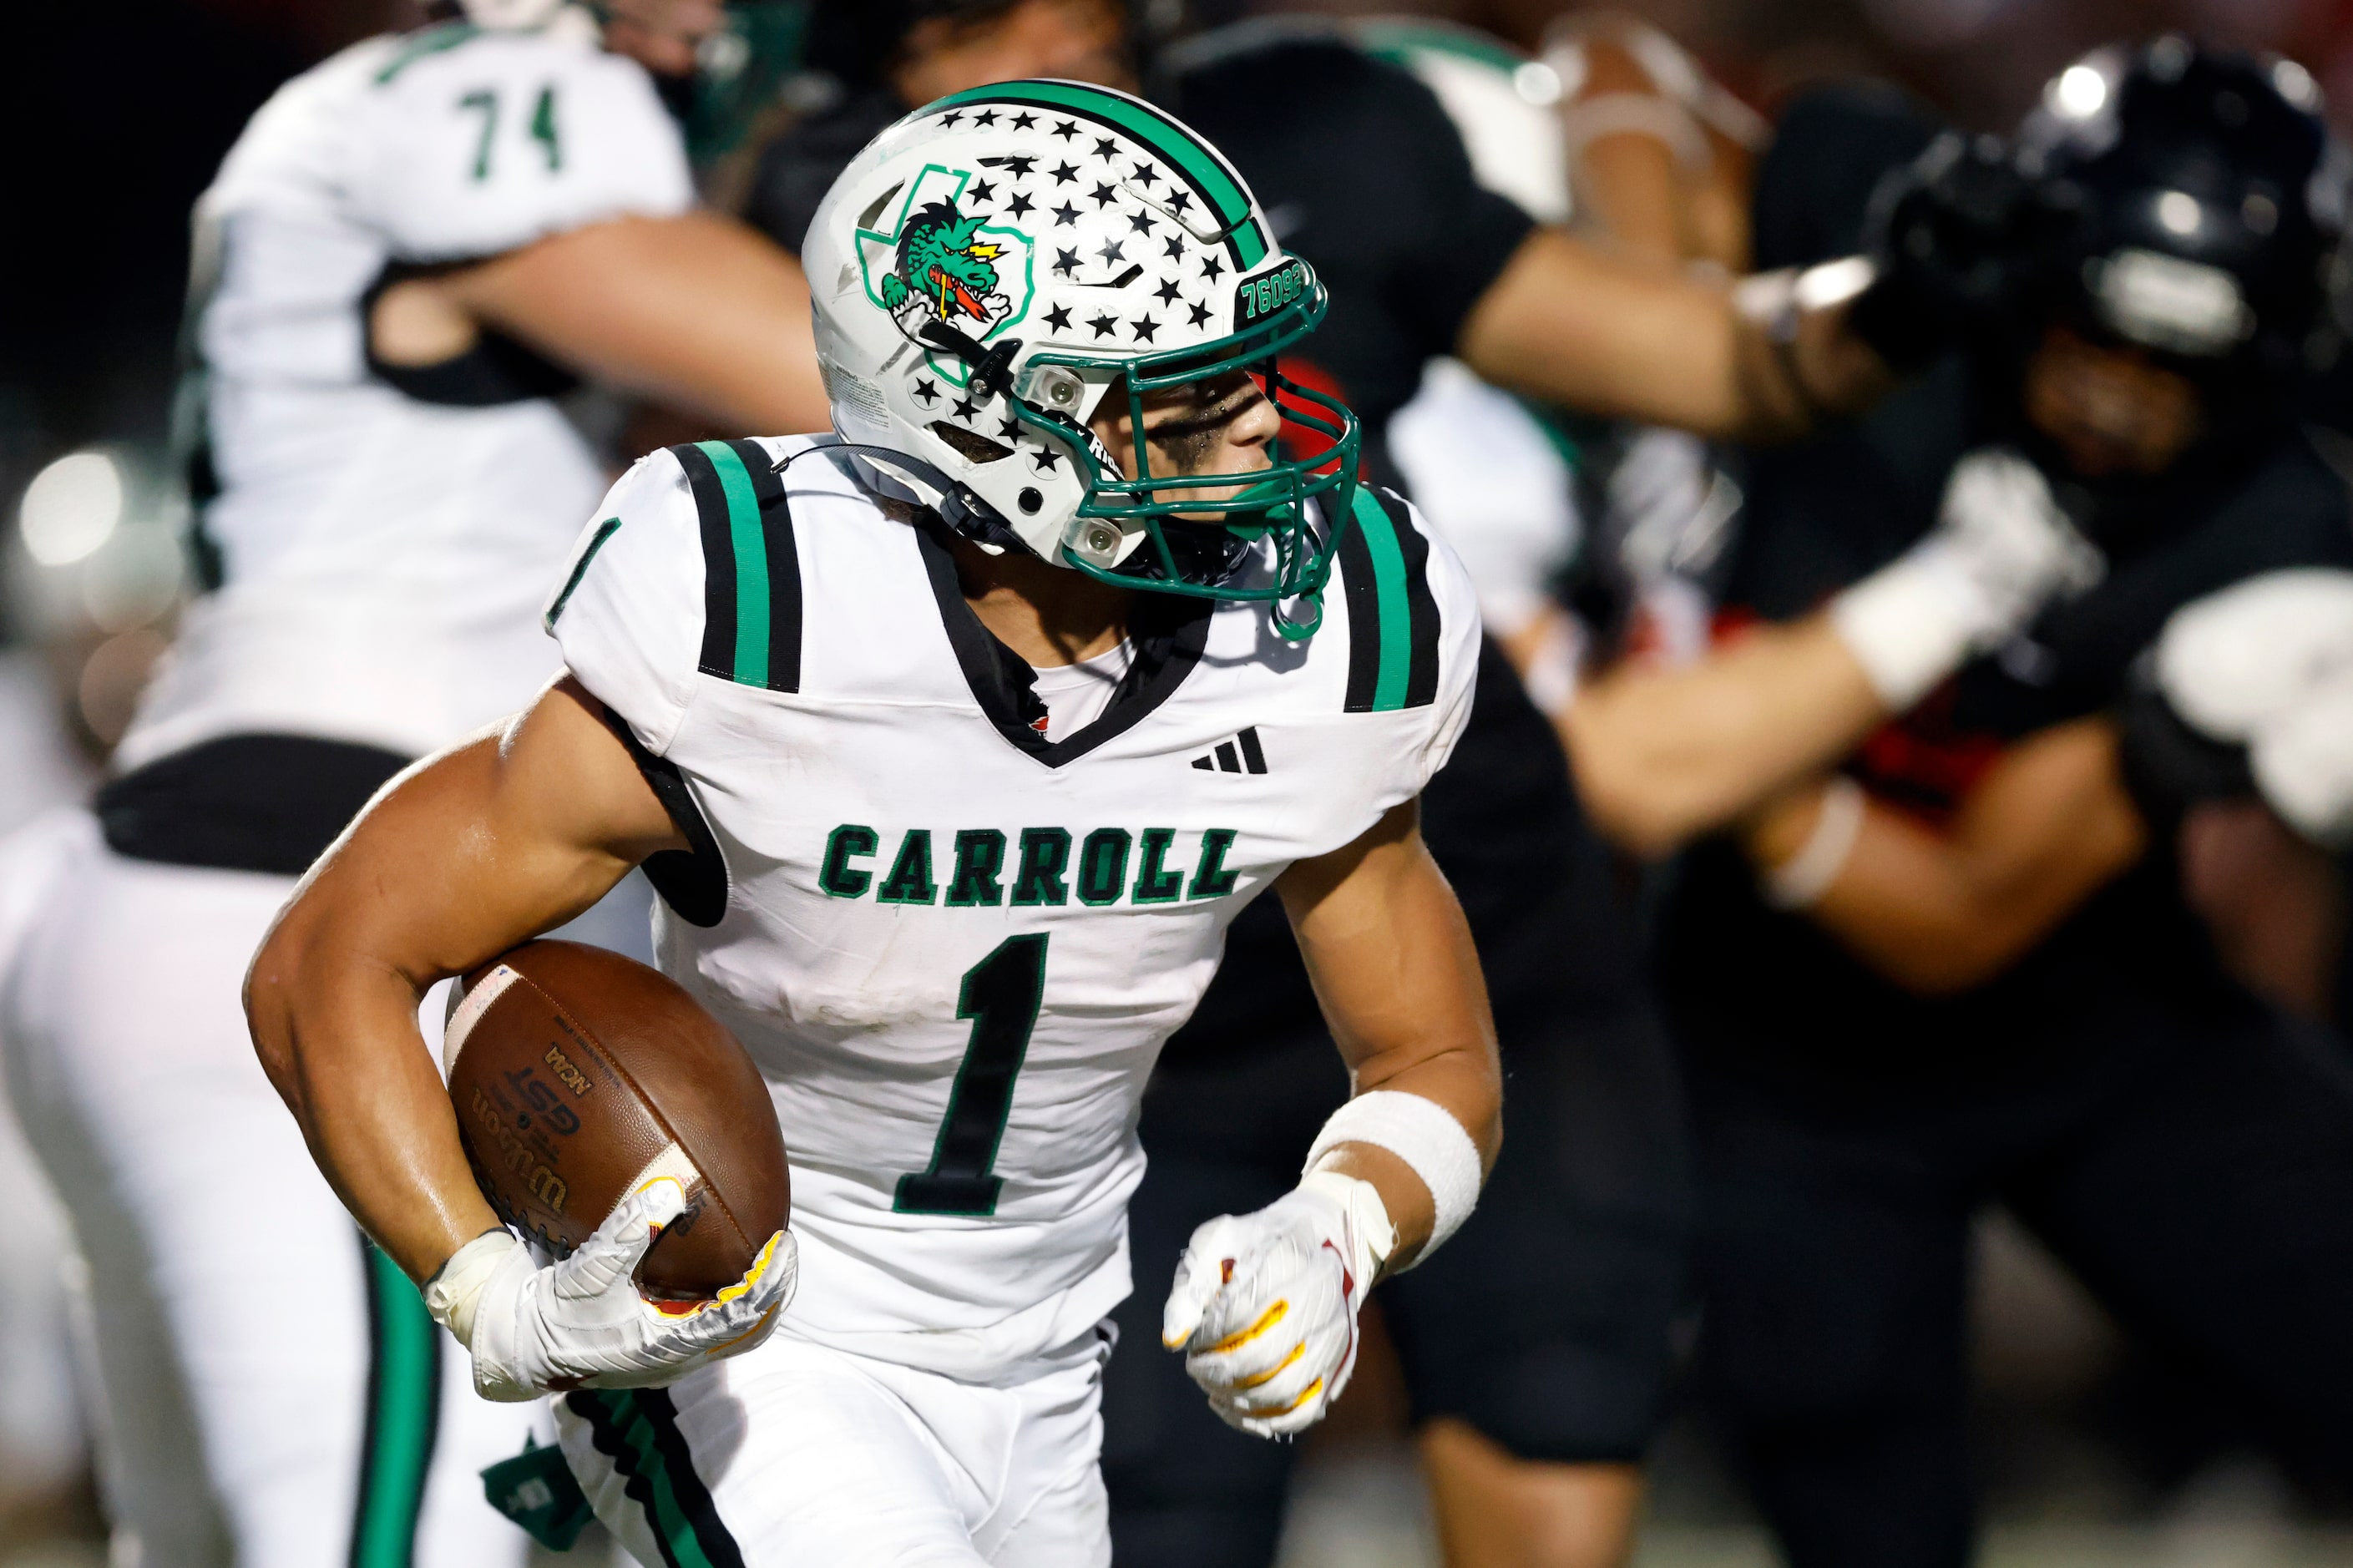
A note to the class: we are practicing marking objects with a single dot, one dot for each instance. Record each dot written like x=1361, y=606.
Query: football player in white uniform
x=969, y=734
x=387, y=483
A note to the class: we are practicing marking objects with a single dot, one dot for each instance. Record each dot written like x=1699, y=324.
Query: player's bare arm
x=1662, y=755
x=484, y=846
x=695, y=310
x=1570, y=323
x=1941, y=911
x=1390, y=955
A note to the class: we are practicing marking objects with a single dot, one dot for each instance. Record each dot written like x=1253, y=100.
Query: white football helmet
x=992, y=265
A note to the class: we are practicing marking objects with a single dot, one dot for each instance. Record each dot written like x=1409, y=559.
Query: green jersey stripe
x=751, y=569
x=604, y=530
x=749, y=543
x=638, y=1430
x=1392, y=615
x=1388, y=587
x=782, y=557
x=1398, y=42
x=1202, y=169
x=403, y=1417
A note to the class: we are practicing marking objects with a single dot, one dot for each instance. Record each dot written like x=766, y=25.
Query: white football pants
x=272, y=1397
x=796, y=1455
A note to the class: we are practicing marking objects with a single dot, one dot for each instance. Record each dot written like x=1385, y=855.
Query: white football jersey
x=383, y=558
x=954, y=945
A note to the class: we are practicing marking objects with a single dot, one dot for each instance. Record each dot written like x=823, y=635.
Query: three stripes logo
x=1239, y=755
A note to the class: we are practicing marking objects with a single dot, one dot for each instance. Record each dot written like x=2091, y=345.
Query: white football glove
x=2268, y=663
x=583, y=1323
x=2001, y=549
x=1265, y=1304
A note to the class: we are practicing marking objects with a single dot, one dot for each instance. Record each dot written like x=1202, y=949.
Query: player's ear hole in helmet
x=996, y=265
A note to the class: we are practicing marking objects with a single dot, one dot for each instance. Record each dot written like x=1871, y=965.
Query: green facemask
x=1194, y=546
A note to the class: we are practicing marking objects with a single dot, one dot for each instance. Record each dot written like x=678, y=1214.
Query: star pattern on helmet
x=1104, y=195
x=948, y=121
x=1008, y=429
x=1064, y=172
x=1211, y=268
x=1066, y=262
x=1140, y=221
x=1143, y=174
x=1059, y=318
x=984, y=119
x=1105, y=148
x=1020, y=205
x=1179, y=200
x=967, y=408
x=983, y=191
x=1104, y=325
x=1065, y=129
x=1144, y=327
x=1045, y=460
x=1200, y=313
x=1174, y=247
x=1167, y=291
x=1111, y=252
x=928, y=391
x=1024, y=121
x=1021, y=163
x=1065, y=213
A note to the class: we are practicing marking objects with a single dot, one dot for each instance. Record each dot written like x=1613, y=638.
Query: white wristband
x=454, y=1292
x=1425, y=1136
x=1909, y=625
x=1798, y=882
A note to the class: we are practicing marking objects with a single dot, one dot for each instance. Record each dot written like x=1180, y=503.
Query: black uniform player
x=1542, y=1331
x=2046, y=1024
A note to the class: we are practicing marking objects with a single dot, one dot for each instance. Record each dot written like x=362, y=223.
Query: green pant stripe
x=750, y=542
x=1380, y=534
x=402, y=1414
x=638, y=1432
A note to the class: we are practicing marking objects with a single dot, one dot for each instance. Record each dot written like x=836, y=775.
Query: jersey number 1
x=1000, y=995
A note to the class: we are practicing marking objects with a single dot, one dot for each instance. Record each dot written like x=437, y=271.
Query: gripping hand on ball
x=583, y=1323
x=1265, y=1304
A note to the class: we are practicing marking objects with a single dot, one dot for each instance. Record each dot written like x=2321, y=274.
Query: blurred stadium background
x=119, y=114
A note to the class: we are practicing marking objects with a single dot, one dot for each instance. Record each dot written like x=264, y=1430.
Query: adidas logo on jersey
x=1239, y=755
x=1046, y=867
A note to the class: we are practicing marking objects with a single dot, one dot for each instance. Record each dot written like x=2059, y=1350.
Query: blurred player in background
x=413, y=251
x=1962, y=970
x=1532, y=1422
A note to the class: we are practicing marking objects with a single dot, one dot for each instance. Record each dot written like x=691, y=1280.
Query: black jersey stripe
x=718, y=561
x=784, y=567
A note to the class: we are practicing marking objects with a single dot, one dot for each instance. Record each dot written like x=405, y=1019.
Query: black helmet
x=2195, y=202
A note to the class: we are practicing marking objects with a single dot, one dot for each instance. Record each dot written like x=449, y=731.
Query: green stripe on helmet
x=1169, y=141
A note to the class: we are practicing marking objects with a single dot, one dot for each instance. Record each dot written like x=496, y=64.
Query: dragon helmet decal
x=995, y=264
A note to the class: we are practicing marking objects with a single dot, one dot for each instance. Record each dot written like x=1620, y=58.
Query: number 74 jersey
x=953, y=944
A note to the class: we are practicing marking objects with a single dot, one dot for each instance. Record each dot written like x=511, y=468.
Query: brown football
x=578, y=1075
